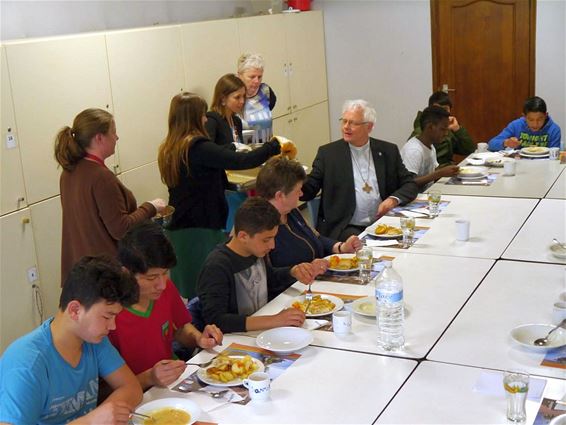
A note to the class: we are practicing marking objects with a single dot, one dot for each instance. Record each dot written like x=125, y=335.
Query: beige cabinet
x=295, y=61
x=18, y=305
x=145, y=183
x=266, y=35
x=52, y=81
x=307, y=63
x=146, y=71
x=210, y=50
x=46, y=221
x=309, y=128
x=12, y=190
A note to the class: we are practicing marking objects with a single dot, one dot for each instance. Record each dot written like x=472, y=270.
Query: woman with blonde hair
x=260, y=98
x=193, y=167
x=98, y=209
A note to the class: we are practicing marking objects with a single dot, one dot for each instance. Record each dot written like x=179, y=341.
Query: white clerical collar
x=360, y=148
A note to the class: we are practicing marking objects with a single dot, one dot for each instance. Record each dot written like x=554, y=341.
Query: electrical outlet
x=32, y=274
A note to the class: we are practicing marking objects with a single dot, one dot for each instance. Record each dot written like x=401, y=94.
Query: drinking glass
x=408, y=228
x=365, y=259
x=516, y=384
x=434, y=197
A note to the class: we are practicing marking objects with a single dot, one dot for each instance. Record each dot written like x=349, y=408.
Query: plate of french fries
x=230, y=370
x=342, y=262
x=385, y=231
x=321, y=305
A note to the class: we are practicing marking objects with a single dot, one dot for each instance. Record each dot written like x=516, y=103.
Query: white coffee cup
x=554, y=153
x=258, y=385
x=342, y=322
x=462, y=230
x=482, y=147
x=509, y=167
x=558, y=312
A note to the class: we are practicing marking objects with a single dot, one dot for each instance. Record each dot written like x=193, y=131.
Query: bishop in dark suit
x=361, y=178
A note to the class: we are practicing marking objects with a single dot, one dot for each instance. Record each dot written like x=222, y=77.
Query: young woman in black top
x=193, y=167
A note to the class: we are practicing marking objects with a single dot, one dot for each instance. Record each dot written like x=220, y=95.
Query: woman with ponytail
x=97, y=208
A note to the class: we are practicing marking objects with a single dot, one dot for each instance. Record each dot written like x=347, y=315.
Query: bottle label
x=390, y=298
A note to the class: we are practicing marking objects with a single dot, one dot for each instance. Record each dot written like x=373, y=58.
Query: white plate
x=481, y=176
x=541, y=151
x=558, y=251
x=201, y=373
x=485, y=155
x=342, y=256
x=185, y=404
x=525, y=335
x=364, y=306
x=475, y=161
x=497, y=162
x=338, y=304
x=526, y=155
x=284, y=340
x=471, y=171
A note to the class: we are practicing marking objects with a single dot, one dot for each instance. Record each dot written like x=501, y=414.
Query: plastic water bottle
x=389, y=309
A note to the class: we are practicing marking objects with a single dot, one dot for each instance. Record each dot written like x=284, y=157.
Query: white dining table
x=434, y=289
x=532, y=243
x=512, y=294
x=533, y=179
x=493, y=224
x=438, y=393
x=558, y=189
x=322, y=386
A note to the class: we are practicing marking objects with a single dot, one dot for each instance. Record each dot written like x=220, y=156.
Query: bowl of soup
x=168, y=411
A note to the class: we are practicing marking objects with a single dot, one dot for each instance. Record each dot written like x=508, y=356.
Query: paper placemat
x=275, y=365
x=548, y=410
x=555, y=358
x=487, y=181
x=373, y=241
x=353, y=276
x=491, y=382
x=417, y=209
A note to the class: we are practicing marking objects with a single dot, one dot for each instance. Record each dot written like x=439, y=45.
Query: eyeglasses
x=351, y=123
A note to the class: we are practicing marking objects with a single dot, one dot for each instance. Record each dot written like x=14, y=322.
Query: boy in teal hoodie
x=534, y=128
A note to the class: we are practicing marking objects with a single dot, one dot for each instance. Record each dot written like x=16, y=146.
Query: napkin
x=387, y=242
x=491, y=383
x=412, y=214
x=312, y=324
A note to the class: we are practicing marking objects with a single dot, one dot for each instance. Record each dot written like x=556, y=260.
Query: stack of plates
x=472, y=173
x=534, y=152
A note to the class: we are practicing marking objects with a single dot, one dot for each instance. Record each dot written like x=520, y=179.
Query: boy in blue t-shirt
x=50, y=376
x=534, y=128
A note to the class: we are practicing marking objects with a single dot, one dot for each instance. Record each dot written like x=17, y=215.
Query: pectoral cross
x=367, y=188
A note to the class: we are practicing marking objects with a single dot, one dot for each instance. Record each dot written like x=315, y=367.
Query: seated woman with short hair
x=280, y=182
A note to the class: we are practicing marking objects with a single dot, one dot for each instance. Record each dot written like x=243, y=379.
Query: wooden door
x=485, y=52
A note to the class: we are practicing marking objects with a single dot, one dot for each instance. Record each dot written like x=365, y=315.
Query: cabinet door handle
x=25, y=220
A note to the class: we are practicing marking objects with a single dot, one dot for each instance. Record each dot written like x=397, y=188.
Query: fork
x=205, y=364
x=308, y=298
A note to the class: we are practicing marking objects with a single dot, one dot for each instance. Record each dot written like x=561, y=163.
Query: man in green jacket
x=458, y=141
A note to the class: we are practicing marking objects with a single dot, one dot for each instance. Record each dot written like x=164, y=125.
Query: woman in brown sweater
x=97, y=208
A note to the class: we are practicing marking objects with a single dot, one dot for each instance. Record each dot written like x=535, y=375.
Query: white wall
x=376, y=49
x=26, y=19
x=379, y=51
x=550, y=82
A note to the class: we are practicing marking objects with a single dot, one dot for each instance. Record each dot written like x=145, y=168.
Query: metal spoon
x=541, y=342
x=557, y=242
x=141, y=415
